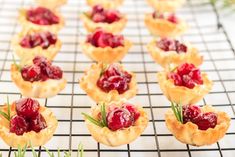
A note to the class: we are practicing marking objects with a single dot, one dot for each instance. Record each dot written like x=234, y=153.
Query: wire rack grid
x=156, y=141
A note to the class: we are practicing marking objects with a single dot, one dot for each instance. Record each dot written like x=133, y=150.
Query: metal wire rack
x=156, y=141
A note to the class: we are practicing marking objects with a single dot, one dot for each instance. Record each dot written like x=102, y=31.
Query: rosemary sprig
x=14, y=62
x=33, y=151
x=51, y=154
x=80, y=150
x=0, y=154
x=66, y=153
x=92, y=120
x=20, y=152
x=178, y=111
x=105, y=66
x=103, y=114
x=102, y=122
x=86, y=14
x=8, y=114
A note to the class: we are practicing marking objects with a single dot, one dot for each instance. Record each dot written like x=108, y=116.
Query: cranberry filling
x=18, y=125
x=41, y=70
x=123, y=117
x=113, y=78
x=187, y=75
x=103, y=39
x=171, y=17
x=171, y=45
x=44, y=39
x=27, y=108
x=204, y=121
x=42, y=16
x=28, y=117
x=99, y=14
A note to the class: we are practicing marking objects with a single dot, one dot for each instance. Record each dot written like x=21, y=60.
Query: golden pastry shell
x=183, y=95
x=107, y=54
x=26, y=54
x=105, y=3
x=116, y=138
x=190, y=134
x=114, y=27
x=51, y=4
x=164, y=28
x=36, y=139
x=55, y=28
x=165, y=59
x=37, y=89
x=89, y=80
x=166, y=5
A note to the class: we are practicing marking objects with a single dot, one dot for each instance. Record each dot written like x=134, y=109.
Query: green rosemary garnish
x=178, y=111
x=86, y=14
x=102, y=122
x=66, y=153
x=80, y=150
x=14, y=62
x=33, y=151
x=20, y=152
x=8, y=114
x=0, y=154
x=104, y=68
x=103, y=114
x=51, y=154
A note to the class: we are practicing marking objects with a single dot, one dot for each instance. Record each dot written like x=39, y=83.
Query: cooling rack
x=206, y=32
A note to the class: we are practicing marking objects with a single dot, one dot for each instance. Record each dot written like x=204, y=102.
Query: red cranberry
x=185, y=69
x=172, y=18
x=206, y=121
x=42, y=16
x=190, y=112
x=114, y=79
x=176, y=78
x=27, y=107
x=43, y=39
x=167, y=44
x=103, y=39
x=112, y=16
x=18, y=125
x=119, y=119
x=97, y=9
x=31, y=73
x=37, y=123
x=41, y=70
x=132, y=109
x=187, y=75
x=54, y=72
x=99, y=14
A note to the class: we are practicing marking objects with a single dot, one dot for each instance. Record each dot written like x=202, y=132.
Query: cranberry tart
x=40, y=18
x=185, y=84
x=165, y=24
x=105, y=47
x=31, y=43
x=116, y=123
x=105, y=3
x=197, y=126
x=40, y=79
x=166, y=5
x=167, y=51
x=108, y=19
x=25, y=122
x=103, y=82
x=52, y=4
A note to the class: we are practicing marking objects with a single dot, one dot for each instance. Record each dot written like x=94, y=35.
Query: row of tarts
x=113, y=121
